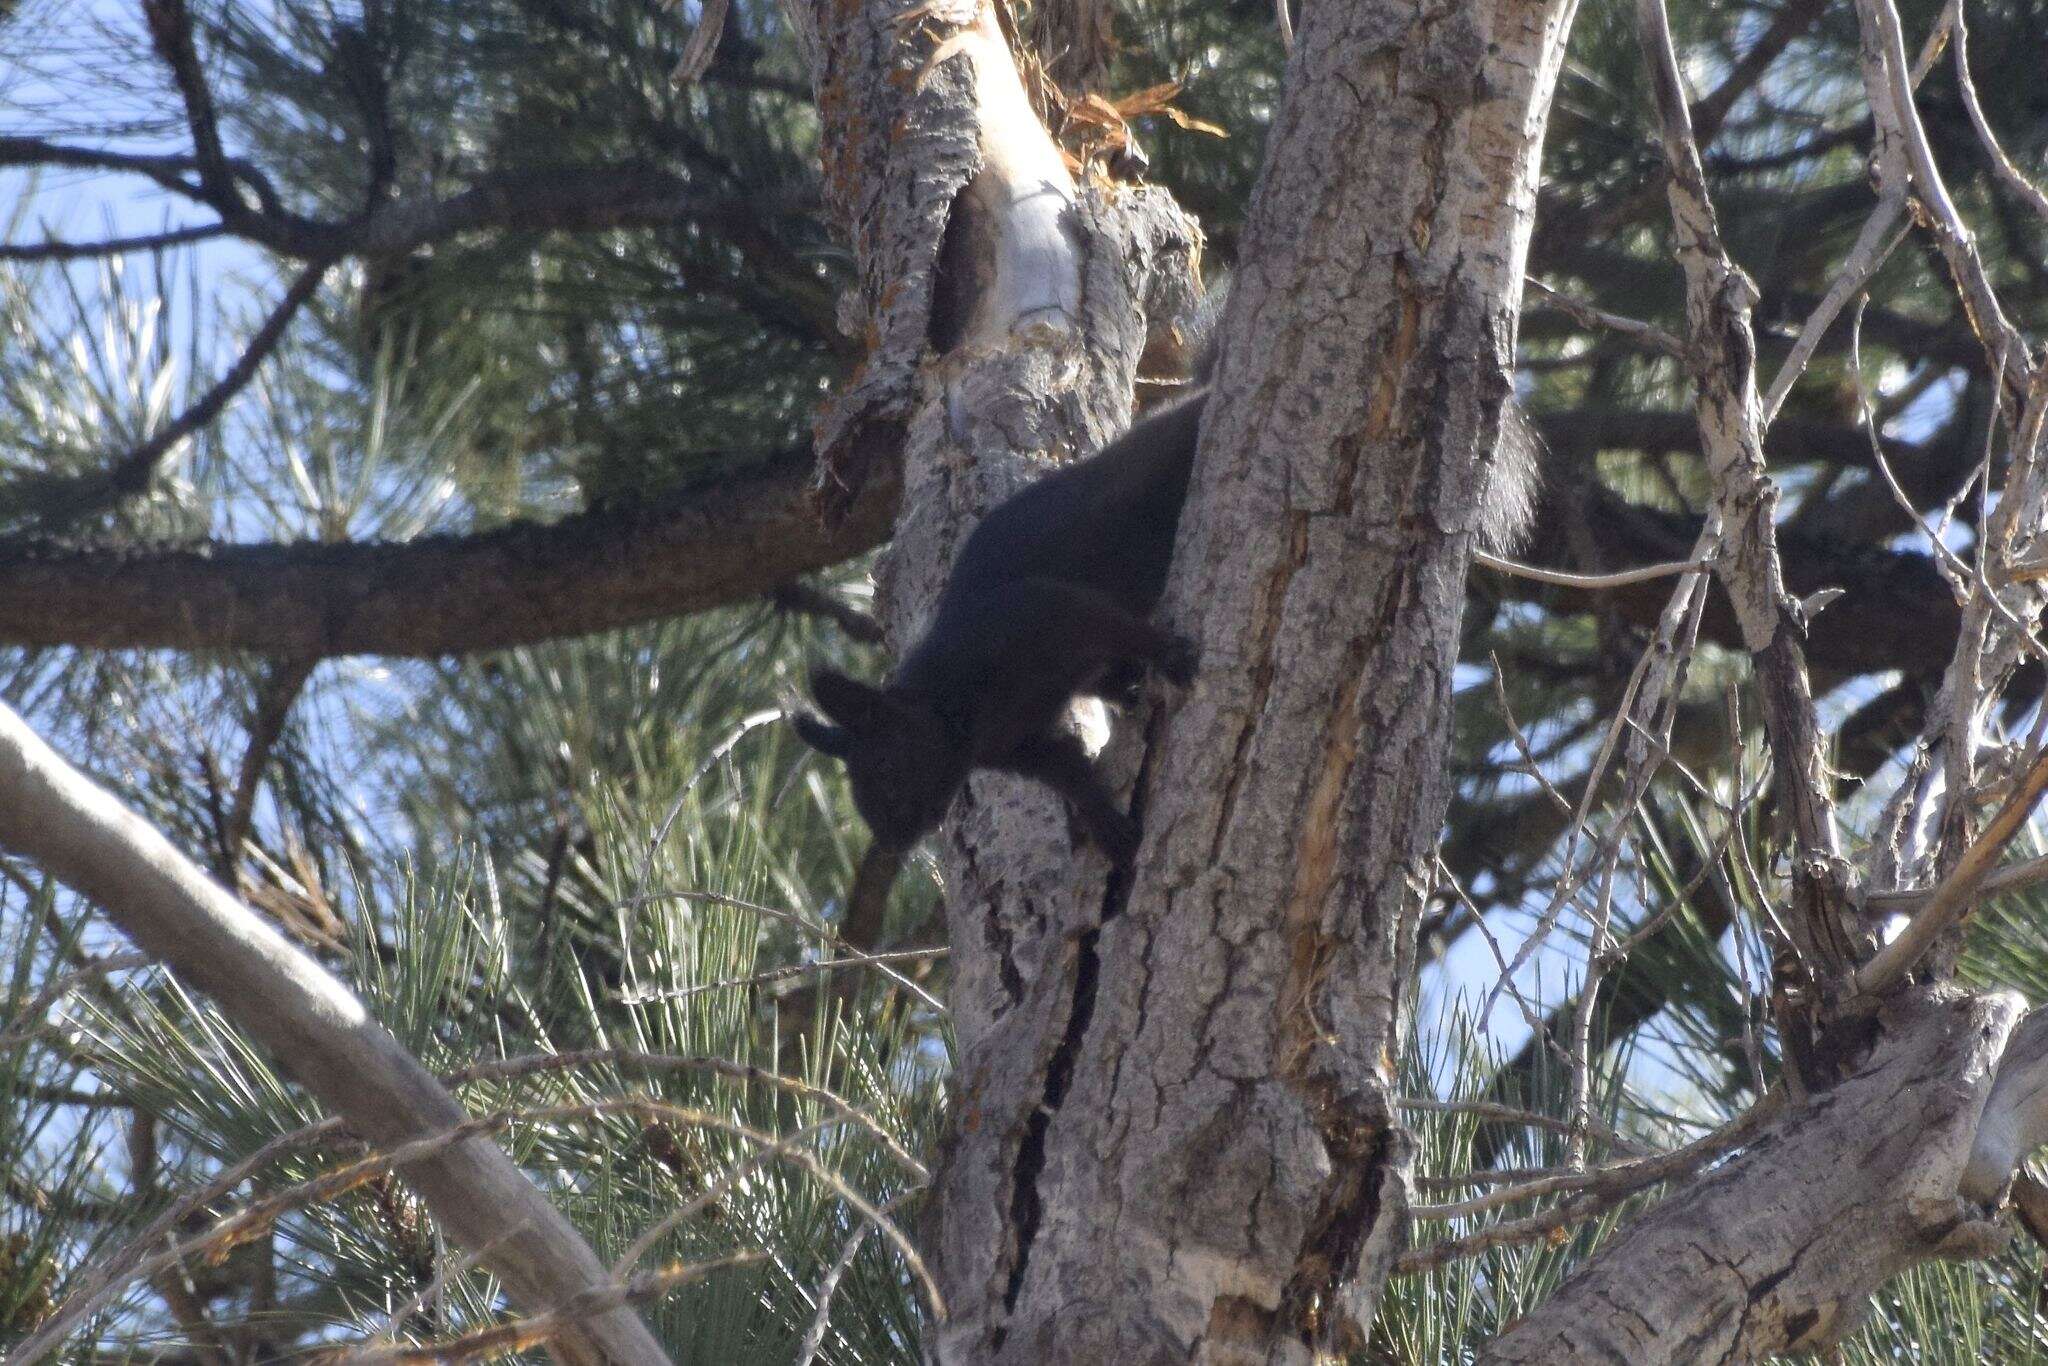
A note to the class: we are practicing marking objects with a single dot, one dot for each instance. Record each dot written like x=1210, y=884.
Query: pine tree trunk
x=1172, y=1133
x=1214, y=1172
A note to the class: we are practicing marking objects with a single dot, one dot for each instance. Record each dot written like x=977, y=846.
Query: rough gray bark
x=1779, y=1249
x=52, y=814
x=1022, y=891
x=1211, y=1169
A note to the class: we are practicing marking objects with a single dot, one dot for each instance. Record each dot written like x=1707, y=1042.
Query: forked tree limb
x=55, y=816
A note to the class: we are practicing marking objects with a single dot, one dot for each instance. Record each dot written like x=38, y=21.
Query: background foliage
x=567, y=847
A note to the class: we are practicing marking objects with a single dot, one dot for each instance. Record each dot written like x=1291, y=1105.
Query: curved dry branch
x=54, y=815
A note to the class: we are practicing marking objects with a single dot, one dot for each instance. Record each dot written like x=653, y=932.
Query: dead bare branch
x=1719, y=300
x=543, y=1330
x=1589, y=582
x=1648, y=335
x=90, y=842
x=2033, y=196
x=1951, y=901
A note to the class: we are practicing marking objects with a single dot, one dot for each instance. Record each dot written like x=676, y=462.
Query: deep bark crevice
x=1026, y=1204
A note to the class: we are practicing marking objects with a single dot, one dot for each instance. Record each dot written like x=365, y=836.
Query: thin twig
x=1880, y=236
x=1891, y=100
x=274, y=698
x=1508, y=1114
x=170, y=32
x=2017, y=878
x=513, y=1069
x=54, y=250
x=1586, y=315
x=1620, y=578
x=814, y=1336
x=111, y=1272
x=782, y=974
x=1882, y=232
x=823, y=933
x=1607, y=1189
x=1958, y=892
x=727, y=1181
x=540, y=1329
x=2000, y=162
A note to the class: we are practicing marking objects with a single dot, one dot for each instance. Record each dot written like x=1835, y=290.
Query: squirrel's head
x=905, y=761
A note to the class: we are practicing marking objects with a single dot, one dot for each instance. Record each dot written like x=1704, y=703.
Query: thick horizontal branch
x=442, y=595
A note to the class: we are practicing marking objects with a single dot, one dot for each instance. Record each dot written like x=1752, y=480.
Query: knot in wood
x=1739, y=293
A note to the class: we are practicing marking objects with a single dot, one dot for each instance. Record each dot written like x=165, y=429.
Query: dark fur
x=1049, y=599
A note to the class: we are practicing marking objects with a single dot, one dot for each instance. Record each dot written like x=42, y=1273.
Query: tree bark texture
x=1780, y=1248
x=1210, y=1169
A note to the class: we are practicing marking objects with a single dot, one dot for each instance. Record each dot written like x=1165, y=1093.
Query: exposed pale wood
x=2015, y=1118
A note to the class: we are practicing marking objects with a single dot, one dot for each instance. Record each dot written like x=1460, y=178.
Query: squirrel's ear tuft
x=826, y=739
x=855, y=705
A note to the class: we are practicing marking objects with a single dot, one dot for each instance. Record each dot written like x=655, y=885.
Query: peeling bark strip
x=1221, y=1179
x=899, y=144
x=1779, y=1249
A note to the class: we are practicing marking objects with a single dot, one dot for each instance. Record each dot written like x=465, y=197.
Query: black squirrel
x=1047, y=601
